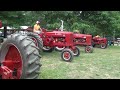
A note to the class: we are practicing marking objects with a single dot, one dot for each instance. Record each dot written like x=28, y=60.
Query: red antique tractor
x=100, y=41
x=84, y=40
x=19, y=58
x=79, y=40
x=59, y=39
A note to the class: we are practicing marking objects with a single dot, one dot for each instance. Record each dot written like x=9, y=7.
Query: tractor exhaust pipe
x=61, y=27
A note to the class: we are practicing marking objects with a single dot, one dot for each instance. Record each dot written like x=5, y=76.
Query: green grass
x=101, y=64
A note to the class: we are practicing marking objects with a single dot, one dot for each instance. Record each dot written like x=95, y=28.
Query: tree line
x=104, y=23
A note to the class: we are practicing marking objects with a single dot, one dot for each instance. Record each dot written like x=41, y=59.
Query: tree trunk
x=83, y=31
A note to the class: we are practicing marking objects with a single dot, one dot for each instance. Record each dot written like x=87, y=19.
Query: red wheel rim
x=88, y=49
x=103, y=45
x=66, y=55
x=35, y=41
x=13, y=61
x=75, y=51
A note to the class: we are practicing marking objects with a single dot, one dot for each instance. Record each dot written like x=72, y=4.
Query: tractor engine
x=82, y=39
x=57, y=38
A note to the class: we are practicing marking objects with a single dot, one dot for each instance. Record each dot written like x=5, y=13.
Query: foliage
x=93, y=22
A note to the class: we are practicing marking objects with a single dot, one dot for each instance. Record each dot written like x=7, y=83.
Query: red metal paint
x=66, y=55
x=13, y=60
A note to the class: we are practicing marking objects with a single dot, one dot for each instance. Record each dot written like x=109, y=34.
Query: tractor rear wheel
x=67, y=55
x=93, y=44
x=47, y=49
x=59, y=49
x=88, y=49
x=76, y=52
x=37, y=40
x=20, y=54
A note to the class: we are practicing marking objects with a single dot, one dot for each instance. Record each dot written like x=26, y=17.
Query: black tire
x=103, y=45
x=47, y=49
x=59, y=49
x=77, y=51
x=88, y=49
x=37, y=39
x=30, y=56
x=69, y=52
x=93, y=44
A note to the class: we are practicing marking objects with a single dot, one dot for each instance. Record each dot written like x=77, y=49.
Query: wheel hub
x=13, y=61
x=66, y=55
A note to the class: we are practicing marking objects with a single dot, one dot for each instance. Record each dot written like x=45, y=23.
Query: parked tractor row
x=66, y=42
x=52, y=39
x=20, y=53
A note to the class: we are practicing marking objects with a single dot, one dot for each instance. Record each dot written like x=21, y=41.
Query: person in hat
x=97, y=36
x=37, y=28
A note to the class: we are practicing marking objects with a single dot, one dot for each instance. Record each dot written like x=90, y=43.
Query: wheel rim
x=13, y=61
x=66, y=56
x=103, y=45
x=60, y=49
x=35, y=41
x=75, y=51
x=88, y=49
x=46, y=48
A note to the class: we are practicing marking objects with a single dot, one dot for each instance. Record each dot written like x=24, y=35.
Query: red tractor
x=19, y=58
x=84, y=40
x=103, y=42
x=79, y=40
x=59, y=39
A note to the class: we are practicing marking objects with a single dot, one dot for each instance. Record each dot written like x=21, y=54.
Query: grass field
x=101, y=64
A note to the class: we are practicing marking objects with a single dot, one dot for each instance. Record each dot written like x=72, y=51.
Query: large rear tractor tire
x=20, y=54
x=37, y=40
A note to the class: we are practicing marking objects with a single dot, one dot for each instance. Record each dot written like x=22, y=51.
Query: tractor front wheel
x=88, y=49
x=19, y=54
x=67, y=55
x=103, y=45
